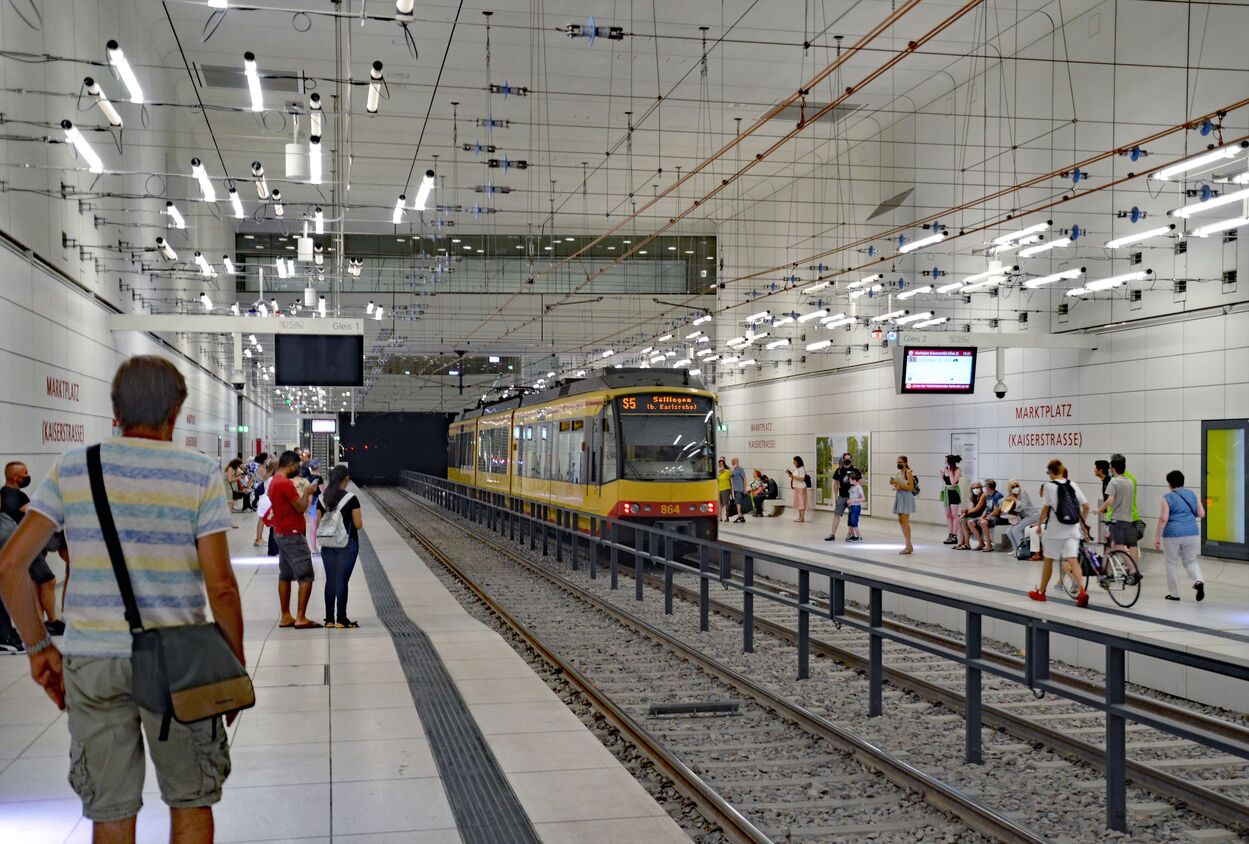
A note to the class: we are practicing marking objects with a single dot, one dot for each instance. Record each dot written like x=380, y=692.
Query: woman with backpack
x=338, y=534
x=905, y=488
x=1062, y=524
x=1179, y=535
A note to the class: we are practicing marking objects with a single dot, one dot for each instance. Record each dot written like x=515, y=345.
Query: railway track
x=1212, y=786
x=762, y=767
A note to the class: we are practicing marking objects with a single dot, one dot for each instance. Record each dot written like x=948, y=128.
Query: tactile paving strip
x=486, y=809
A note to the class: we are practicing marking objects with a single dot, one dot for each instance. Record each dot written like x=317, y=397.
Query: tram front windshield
x=667, y=437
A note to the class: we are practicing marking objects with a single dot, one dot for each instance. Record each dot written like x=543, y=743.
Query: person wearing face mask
x=13, y=503
x=841, y=479
x=968, y=525
x=951, y=495
x=1021, y=516
x=904, y=485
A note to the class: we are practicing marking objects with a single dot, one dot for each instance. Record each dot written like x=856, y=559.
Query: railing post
x=645, y=546
x=561, y=521
x=668, y=547
x=804, y=625
x=971, y=709
x=615, y=557
x=576, y=564
x=596, y=534
x=875, y=667
x=1116, y=742
x=726, y=564
x=836, y=597
x=1037, y=657
x=533, y=526
x=704, y=588
x=546, y=530
x=748, y=604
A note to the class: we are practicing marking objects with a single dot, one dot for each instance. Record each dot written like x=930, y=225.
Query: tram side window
x=570, y=452
x=492, y=451
x=609, y=447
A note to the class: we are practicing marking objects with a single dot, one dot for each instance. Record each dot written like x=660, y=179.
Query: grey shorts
x=1123, y=533
x=294, y=558
x=106, y=746
x=842, y=504
x=40, y=571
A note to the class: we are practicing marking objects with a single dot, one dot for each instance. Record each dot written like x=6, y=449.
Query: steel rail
x=970, y=810
x=709, y=802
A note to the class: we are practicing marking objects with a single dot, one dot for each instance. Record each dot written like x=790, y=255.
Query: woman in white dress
x=903, y=485
x=799, y=482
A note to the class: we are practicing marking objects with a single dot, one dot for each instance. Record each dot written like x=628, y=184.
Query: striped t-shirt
x=163, y=498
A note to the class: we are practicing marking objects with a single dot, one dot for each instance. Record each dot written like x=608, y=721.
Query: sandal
x=308, y=625
x=349, y=624
x=286, y=624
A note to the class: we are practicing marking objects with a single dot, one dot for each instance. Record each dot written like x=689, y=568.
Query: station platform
x=1217, y=627
x=336, y=748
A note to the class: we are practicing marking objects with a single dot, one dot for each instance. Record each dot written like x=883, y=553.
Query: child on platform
x=857, y=498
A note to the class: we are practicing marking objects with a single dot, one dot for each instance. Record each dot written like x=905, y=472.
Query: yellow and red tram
x=632, y=444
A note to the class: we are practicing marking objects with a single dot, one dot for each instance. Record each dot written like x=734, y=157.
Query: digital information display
x=939, y=370
x=661, y=403
x=324, y=426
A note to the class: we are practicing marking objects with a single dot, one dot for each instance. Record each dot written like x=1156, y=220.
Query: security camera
x=999, y=389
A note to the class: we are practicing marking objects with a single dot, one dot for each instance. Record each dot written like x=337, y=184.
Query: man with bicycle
x=1121, y=514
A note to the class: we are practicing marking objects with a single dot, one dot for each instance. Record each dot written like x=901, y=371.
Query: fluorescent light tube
x=910, y=318
x=236, y=203
x=922, y=242
x=404, y=7
x=106, y=107
x=1113, y=281
x=647, y=350
x=816, y=288
x=281, y=265
x=318, y=254
x=118, y=60
x=745, y=363
x=205, y=184
x=907, y=294
x=856, y=284
x=657, y=358
x=205, y=301
x=94, y=164
x=204, y=268
x=314, y=115
x=838, y=323
x=314, y=159
x=368, y=309
x=1129, y=239
x=776, y=344
x=375, y=88
x=377, y=314
x=1044, y=247
x=832, y=318
x=875, y=288
x=705, y=318
x=262, y=184
x=397, y=216
x=759, y=317
x=888, y=316
x=1213, y=202
x=166, y=249
x=665, y=338
x=229, y=265
x=1022, y=233
x=1033, y=283
x=253, y=82
x=822, y=312
x=1213, y=157
x=318, y=221
x=677, y=364
x=819, y=344
x=175, y=216
x=782, y=320
x=1221, y=226
x=422, y=193
x=321, y=306
x=278, y=210
x=609, y=353
x=930, y=322
x=950, y=288
x=991, y=281
x=704, y=352
x=697, y=333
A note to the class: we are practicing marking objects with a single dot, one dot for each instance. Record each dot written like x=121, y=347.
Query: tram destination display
x=318, y=360
x=664, y=403
x=936, y=370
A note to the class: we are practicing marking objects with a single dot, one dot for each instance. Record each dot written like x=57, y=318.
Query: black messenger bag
x=186, y=672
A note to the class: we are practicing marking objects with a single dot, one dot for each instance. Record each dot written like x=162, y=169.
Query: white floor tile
x=391, y=806
x=382, y=759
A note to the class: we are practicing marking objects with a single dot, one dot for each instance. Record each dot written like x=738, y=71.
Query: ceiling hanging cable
x=195, y=87
x=433, y=95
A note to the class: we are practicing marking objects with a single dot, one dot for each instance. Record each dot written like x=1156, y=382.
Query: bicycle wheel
x=1071, y=585
x=1124, y=590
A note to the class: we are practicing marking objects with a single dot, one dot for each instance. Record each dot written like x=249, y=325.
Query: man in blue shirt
x=738, y=481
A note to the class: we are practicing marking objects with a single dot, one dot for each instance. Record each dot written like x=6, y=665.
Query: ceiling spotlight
x=166, y=249
x=375, y=88
x=782, y=320
x=875, y=288
x=205, y=184
x=368, y=309
x=262, y=184
x=665, y=338
x=236, y=203
x=318, y=221
x=397, y=216
x=422, y=193
x=404, y=7
x=204, y=267
x=106, y=107
x=94, y=164
x=229, y=265
x=205, y=301
x=118, y=60
x=314, y=159
x=318, y=254
x=253, y=81
x=1108, y=283
x=278, y=210
x=321, y=306
x=377, y=312
x=922, y=242
x=175, y=216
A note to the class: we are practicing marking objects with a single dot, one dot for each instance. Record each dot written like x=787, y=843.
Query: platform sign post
x=971, y=693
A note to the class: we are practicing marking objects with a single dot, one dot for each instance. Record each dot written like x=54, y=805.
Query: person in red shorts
x=287, y=506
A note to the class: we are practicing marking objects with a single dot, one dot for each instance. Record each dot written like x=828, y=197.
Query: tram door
x=1224, y=471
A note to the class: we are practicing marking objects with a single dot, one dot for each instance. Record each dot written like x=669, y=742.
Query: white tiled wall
x=1143, y=392
x=50, y=328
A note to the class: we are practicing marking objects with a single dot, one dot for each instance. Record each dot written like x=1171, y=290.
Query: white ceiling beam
x=208, y=324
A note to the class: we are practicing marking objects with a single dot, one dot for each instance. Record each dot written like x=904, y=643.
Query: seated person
x=967, y=523
x=771, y=492
x=758, y=488
x=997, y=508
x=1021, y=515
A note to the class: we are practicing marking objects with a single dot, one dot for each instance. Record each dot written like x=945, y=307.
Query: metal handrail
x=536, y=521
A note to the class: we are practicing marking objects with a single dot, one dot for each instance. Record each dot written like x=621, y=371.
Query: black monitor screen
x=318, y=360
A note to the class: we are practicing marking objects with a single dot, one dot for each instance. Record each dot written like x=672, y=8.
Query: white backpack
x=332, y=530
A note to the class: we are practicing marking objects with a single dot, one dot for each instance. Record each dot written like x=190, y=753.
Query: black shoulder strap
x=108, y=528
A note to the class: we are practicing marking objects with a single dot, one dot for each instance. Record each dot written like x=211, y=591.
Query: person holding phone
x=287, y=506
x=903, y=485
x=799, y=481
